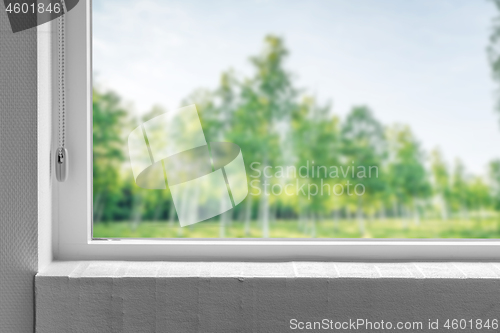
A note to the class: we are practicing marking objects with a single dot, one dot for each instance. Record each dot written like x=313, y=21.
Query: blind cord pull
x=61, y=156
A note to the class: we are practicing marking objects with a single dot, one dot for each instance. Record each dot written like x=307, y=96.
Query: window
x=318, y=172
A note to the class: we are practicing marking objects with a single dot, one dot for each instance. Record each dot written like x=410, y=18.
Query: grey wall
x=18, y=176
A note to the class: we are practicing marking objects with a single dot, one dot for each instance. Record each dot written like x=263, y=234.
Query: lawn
x=487, y=228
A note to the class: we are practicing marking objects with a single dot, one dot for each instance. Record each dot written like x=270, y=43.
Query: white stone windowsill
x=122, y=296
x=156, y=269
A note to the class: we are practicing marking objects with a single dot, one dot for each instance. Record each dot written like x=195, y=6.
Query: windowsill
x=121, y=296
x=242, y=270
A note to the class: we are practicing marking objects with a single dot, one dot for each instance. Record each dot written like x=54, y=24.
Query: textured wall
x=175, y=297
x=18, y=176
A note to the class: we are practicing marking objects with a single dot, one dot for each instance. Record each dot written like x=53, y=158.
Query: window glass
x=295, y=119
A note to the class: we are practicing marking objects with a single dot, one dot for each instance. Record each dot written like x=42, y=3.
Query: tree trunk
x=382, y=212
x=272, y=214
x=396, y=211
x=158, y=210
x=229, y=221
x=171, y=214
x=406, y=216
x=336, y=220
x=97, y=208
x=301, y=219
x=416, y=215
x=360, y=218
x=137, y=212
x=248, y=215
x=321, y=219
x=463, y=212
x=444, y=209
x=260, y=210
x=313, y=225
x=222, y=225
x=265, y=206
x=100, y=211
x=265, y=216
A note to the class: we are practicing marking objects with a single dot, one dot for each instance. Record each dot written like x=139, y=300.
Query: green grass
x=488, y=228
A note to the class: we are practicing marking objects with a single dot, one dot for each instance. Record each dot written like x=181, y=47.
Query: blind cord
x=62, y=83
x=61, y=158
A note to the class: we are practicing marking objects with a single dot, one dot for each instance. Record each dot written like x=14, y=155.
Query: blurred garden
x=402, y=191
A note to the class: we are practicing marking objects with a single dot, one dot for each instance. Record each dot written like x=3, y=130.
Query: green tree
x=364, y=148
x=216, y=110
x=441, y=182
x=315, y=139
x=459, y=192
x=109, y=122
x=266, y=99
x=407, y=175
x=494, y=49
x=158, y=204
x=480, y=196
x=495, y=181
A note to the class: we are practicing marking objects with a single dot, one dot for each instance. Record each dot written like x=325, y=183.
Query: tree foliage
x=277, y=124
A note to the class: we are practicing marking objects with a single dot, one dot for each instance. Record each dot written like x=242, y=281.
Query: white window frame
x=72, y=206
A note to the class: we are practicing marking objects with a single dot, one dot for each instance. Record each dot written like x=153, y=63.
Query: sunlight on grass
x=396, y=228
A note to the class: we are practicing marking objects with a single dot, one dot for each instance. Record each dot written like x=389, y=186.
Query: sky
x=421, y=63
